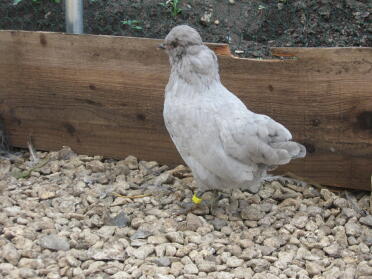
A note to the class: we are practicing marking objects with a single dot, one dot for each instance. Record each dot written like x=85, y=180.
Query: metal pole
x=74, y=16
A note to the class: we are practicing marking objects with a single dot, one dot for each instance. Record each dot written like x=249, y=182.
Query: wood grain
x=103, y=95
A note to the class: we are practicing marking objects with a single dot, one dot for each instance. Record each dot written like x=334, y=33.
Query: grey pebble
x=367, y=220
x=252, y=213
x=54, y=242
x=140, y=234
x=162, y=261
x=120, y=220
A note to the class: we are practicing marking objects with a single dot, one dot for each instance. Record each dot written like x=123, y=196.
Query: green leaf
x=133, y=23
x=16, y=2
x=262, y=7
x=27, y=173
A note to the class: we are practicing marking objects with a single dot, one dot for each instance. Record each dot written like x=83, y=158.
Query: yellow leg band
x=196, y=200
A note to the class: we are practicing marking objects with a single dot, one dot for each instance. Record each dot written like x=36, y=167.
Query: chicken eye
x=174, y=44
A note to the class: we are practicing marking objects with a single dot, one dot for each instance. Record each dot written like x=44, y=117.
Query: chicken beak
x=162, y=46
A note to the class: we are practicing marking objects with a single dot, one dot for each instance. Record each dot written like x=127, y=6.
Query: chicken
x=225, y=144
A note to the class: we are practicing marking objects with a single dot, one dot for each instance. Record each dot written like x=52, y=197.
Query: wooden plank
x=104, y=95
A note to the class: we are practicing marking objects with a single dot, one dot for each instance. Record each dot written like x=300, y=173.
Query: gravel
x=66, y=220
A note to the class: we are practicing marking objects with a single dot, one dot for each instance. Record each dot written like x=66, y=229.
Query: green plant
x=173, y=5
x=134, y=24
x=262, y=7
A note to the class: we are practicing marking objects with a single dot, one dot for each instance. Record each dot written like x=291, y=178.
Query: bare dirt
x=250, y=27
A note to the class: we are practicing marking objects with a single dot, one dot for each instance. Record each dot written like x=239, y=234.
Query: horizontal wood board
x=103, y=95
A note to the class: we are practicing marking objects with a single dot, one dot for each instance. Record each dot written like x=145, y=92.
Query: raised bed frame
x=104, y=95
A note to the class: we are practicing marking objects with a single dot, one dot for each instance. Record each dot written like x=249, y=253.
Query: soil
x=250, y=27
